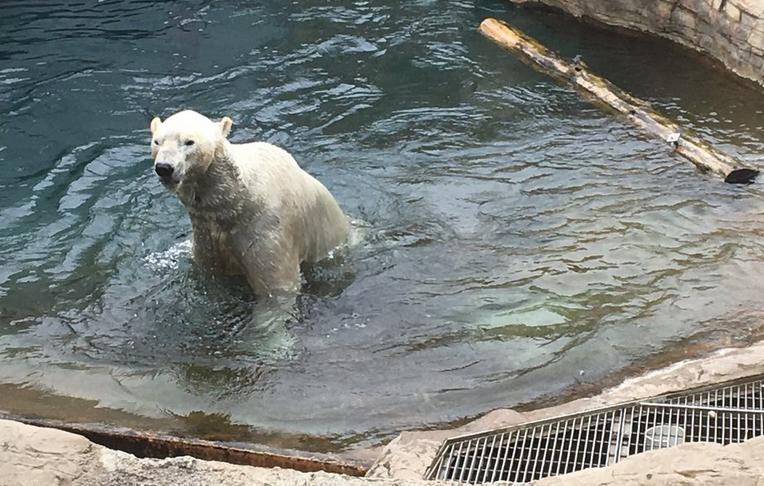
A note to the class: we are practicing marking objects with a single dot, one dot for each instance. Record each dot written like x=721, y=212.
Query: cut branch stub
x=602, y=92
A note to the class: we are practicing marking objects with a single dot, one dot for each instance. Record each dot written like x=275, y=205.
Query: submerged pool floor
x=516, y=241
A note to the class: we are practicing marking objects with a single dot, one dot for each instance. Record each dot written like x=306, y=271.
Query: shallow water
x=517, y=241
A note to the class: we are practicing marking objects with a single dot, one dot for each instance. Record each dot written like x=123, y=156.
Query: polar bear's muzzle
x=167, y=173
x=164, y=170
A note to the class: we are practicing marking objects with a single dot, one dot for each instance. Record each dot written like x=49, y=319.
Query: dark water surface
x=517, y=241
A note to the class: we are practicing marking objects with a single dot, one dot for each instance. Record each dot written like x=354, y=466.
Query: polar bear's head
x=184, y=145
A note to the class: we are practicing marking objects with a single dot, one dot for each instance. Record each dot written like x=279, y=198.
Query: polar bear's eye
x=156, y=142
x=189, y=143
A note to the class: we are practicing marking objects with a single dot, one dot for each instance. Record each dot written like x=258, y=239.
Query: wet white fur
x=254, y=211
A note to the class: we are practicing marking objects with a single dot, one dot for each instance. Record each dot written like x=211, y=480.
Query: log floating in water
x=638, y=112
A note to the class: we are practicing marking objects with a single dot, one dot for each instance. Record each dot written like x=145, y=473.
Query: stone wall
x=731, y=31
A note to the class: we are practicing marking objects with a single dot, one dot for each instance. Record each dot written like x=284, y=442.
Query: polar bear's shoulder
x=261, y=165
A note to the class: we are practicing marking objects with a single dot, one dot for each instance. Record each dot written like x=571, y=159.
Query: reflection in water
x=514, y=236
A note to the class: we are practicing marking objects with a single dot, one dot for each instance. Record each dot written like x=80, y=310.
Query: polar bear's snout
x=163, y=170
x=169, y=172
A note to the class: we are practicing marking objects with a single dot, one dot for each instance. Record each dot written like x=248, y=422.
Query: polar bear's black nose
x=163, y=169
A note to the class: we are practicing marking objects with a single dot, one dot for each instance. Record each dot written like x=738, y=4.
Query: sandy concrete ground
x=38, y=456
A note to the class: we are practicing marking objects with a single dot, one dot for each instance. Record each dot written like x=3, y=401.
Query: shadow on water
x=514, y=235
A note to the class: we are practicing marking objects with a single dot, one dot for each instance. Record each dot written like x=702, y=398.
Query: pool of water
x=517, y=241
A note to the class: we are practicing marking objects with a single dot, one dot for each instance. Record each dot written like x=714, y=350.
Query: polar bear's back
x=301, y=202
x=270, y=171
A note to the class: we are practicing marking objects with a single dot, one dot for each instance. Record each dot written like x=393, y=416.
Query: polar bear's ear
x=225, y=125
x=155, y=124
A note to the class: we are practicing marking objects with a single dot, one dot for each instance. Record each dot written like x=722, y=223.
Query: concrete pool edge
x=34, y=455
x=143, y=444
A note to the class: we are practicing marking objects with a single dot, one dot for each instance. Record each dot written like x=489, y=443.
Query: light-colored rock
x=120, y=469
x=719, y=28
x=688, y=464
x=38, y=456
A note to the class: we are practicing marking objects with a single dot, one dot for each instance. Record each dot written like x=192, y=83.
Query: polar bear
x=253, y=210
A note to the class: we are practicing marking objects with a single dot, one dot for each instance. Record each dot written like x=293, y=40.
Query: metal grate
x=726, y=413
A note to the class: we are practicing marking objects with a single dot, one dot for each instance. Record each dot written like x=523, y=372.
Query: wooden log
x=601, y=91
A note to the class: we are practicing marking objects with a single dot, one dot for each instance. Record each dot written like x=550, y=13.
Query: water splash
x=170, y=258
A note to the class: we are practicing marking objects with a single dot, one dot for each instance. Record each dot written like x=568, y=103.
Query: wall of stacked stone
x=731, y=31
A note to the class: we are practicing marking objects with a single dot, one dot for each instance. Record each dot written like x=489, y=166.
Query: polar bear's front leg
x=211, y=250
x=271, y=264
x=274, y=279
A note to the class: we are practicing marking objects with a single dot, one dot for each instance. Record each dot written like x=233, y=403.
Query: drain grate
x=725, y=413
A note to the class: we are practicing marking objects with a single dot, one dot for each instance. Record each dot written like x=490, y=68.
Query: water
x=518, y=241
